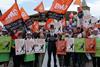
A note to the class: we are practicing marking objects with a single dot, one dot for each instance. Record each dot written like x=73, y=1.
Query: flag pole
x=15, y=1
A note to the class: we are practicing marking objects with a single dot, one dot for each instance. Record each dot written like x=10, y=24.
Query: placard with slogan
x=29, y=45
x=39, y=46
x=5, y=44
x=97, y=47
x=79, y=44
x=70, y=45
x=90, y=46
x=19, y=46
x=61, y=47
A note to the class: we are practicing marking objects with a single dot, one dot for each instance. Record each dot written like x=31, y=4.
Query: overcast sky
x=29, y=5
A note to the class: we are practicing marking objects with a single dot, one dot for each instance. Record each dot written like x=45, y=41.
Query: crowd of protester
x=70, y=59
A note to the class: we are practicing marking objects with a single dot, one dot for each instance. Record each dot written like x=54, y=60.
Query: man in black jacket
x=51, y=39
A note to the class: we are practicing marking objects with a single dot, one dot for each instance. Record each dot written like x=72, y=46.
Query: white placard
x=29, y=45
x=70, y=45
x=39, y=46
x=19, y=46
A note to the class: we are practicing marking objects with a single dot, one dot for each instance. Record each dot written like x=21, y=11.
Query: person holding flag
x=4, y=56
x=29, y=58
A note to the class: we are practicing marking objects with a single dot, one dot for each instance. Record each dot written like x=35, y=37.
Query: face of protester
x=74, y=30
x=28, y=35
x=52, y=28
x=5, y=33
x=20, y=35
x=95, y=32
x=41, y=35
x=78, y=30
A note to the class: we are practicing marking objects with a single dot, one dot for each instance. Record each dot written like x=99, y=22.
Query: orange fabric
x=47, y=24
x=60, y=6
x=24, y=14
x=61, y=47
x=11, y=15
x=90, y=45
x=35, y=26
x=78, y=2
x=40, y=8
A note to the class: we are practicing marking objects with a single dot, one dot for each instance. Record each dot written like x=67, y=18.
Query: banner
x=60, y=6
x=40, y=8
x=90, y=46
x=79, y=44
x=12, y=18
x=39, y=46
x=29, y=22
x=55, y=15
x=61, y=47
x=42, y=16
x=97, y=47
x=5, y=44
x=70, y=45
x=29, y=45
x=24, y=14
x=20, y=46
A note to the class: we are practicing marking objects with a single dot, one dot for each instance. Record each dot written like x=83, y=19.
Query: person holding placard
x=17, y=59
x=5, y=47
x=29, y=58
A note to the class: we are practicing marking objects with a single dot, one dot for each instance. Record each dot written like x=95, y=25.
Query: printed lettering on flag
x=11, y=15
x=61, y=7
x=24, y=14
x=12, y=19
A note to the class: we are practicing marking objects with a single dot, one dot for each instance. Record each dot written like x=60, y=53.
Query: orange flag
x=60, y=6
x=11, y=15
x=78, y=2
x=47, y=24
x=40, y=8
x=35, y=26
x=24, y=14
